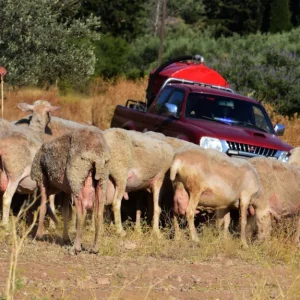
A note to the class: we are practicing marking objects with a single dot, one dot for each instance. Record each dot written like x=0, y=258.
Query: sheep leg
x=223, y=218
x=43, y=208
x=263, y=222
x=98, y=216
x=176, y=227
x=80, y=218
x=52, y=206
x=297, y=234
x=261, y=213
x=73, y=217
x=119, y=192
x=190, y=215
x=156, y=207
x=244, y=204
x=138, y=216
x=65, y=213
x=6, y=201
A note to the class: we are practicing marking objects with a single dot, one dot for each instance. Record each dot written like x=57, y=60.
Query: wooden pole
x=2, y=96
x=162, y=32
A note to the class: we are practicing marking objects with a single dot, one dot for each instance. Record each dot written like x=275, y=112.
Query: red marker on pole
x=2, y=74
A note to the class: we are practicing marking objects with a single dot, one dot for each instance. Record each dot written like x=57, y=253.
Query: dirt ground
x=47, y=270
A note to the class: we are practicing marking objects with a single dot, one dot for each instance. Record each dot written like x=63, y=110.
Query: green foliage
x=255, y=64
x=37, y=48
x=234, y=16
x=111, y=53
x=120, y=18
x=280, y=19
x=191, y=11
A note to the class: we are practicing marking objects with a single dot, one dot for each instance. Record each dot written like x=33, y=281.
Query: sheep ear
x=290, y=152
x=25, y=107
x=52, y=109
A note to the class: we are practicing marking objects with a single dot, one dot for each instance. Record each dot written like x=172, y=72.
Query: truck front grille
x=249, y=150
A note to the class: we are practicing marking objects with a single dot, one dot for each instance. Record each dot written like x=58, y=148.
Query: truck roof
x=214, y=91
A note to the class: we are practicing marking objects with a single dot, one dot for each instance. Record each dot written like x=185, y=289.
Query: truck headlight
x=283, y=156
x=213, y=143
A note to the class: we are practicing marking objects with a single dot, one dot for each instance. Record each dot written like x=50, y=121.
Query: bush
x=253, y=64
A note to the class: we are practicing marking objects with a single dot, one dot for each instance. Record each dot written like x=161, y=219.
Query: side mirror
x=169, y=110
x=279, y=129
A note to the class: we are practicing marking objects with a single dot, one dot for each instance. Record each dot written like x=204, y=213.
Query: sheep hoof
x=121, y=233
x=94, y=250
x=67, y=242
x=77, y=251
x=245, y=245
x=72, y=251
x=177, y=237
x=39, y=237
x=157, y=234
x=195, y=239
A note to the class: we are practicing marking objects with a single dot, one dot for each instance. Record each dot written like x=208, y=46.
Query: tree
x=235, y=16
x=40, y=43
x=191, y=11
x=280, y=16
x=112, y=56
x=295, y=10
x=122, y=18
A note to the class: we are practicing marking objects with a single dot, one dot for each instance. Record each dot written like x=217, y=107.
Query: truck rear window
x=228, y=110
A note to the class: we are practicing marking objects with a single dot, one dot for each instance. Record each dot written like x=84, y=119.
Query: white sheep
x=281, y=184
x=137, y=162
x=18, y=146
x=294, y=157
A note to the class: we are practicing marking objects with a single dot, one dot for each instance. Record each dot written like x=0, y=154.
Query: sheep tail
x=174, y=169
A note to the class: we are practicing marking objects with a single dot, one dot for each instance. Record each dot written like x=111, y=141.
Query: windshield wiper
x=251, y=125
x=212, y=119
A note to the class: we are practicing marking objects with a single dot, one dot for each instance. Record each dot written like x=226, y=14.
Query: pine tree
x=280, y=16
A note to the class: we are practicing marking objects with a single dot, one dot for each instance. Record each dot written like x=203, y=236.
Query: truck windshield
x=228, y=110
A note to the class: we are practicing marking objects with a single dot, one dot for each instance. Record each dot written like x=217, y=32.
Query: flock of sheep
x=93, y=168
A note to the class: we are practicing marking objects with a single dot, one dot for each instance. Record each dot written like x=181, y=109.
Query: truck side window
x=162, y=99
x=259, y=118
x=177, y=99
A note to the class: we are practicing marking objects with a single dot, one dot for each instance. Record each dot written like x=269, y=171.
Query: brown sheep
x=215, y=181
x=77, y=164
x=55, y=128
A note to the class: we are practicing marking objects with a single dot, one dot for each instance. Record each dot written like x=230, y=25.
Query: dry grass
x=112, y=94
x=131, y=257
x=292, y=125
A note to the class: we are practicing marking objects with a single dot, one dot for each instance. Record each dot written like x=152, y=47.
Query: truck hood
x=239, y=134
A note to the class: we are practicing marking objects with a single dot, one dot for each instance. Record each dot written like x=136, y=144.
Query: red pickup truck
x=189, y=101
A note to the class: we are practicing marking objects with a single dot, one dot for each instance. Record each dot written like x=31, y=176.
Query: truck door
x=168, y=122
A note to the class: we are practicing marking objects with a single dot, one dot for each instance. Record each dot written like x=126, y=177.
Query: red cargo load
x=197, y=72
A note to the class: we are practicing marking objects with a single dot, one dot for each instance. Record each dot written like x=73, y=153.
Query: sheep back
x=88, y=150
